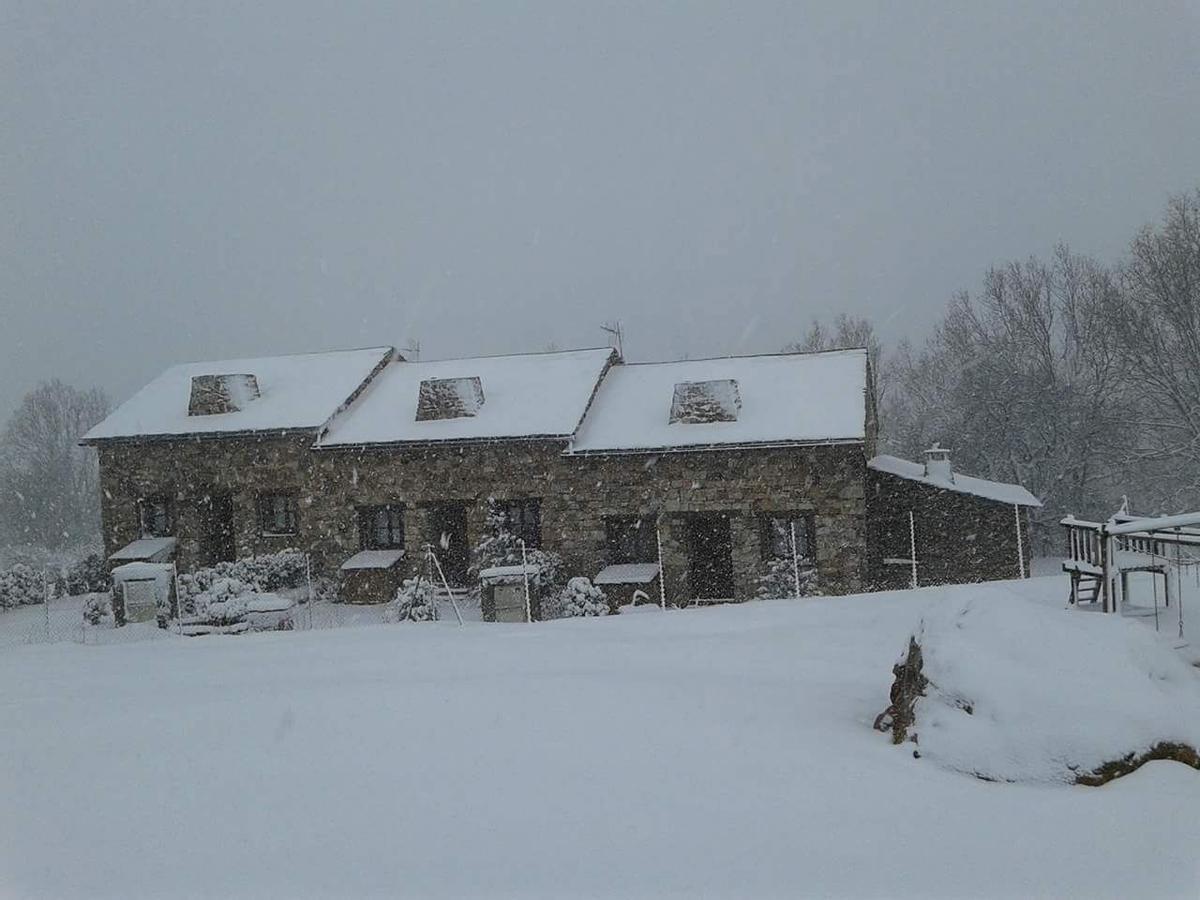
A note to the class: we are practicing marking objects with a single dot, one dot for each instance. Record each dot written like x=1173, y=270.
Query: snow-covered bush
x=21, y=585
x=98, y=611
x=500, y=547
x=992, y=687
x=579, y=598
x=268, y=573
x=224, y=601
x=413, y=602
x=88, y=576
x=778, y=580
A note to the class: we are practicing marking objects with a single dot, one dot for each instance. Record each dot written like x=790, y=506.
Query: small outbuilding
x=623, y=583
x=143, y=592
x=928, y=524
x=510, y=594
x=371, y=576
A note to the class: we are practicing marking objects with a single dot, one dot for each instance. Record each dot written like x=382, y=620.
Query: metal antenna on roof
x=617, y=336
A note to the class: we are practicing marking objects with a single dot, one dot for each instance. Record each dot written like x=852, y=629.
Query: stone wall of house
x=576, y=494
x=187, y=471
x=960, y=538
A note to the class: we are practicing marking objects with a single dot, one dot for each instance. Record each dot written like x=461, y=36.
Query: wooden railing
x=1083, y=542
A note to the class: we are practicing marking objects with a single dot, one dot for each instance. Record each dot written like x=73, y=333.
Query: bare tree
x=49, y=484
x=846, y=332
x=1026, y=382
x=1159, y=329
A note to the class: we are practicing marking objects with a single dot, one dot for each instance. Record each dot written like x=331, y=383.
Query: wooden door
x=448, y=534
x=710, y=557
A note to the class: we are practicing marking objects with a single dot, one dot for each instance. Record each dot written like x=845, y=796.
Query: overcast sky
x=197, y=180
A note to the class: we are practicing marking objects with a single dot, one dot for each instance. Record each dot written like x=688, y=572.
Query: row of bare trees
x=1077, y=378
x=49, y=485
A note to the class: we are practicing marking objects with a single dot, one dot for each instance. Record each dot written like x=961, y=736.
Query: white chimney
x=937, y=464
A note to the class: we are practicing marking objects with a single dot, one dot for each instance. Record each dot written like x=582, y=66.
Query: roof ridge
x=197, y=362
x=417, y=362
x=781, y=354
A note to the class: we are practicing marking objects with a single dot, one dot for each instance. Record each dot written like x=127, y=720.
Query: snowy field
x=718, y=752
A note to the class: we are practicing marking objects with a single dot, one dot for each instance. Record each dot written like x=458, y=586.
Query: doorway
x=448, y=534
x=710, y=557
x=217, y=542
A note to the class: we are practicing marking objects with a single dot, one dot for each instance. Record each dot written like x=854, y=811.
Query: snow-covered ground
x=715, y=752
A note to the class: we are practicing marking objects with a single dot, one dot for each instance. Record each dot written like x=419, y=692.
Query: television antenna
x=616, y=336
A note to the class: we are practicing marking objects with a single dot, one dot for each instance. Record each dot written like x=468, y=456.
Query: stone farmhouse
x=711, y=467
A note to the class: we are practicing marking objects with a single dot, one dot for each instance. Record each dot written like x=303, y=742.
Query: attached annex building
x=361, y=458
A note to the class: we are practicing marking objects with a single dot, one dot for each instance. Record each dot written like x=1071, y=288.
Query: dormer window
x=701, y=402
x=215, y=394
x=449, y=398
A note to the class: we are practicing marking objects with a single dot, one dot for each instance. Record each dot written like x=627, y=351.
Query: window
x=777, y=536
x=154, y=517
x=524, y=519
x=381, y=527
x=630, y=539
x=277, y=513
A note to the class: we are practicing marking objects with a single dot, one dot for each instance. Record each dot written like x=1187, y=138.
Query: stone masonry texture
x=576, y=494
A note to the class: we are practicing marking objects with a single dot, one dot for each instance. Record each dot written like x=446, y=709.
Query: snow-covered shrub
x=268, y=573
x=224, y=601
x=97, y=610
x=579, y=598
x=500, y=547
x=21, y=585
x=778, y=580
x=413, y=602
x=88, y=576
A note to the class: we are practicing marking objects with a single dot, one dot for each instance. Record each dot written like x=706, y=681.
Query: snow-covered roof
x=295, y=392
x=530, y=395
x=627, y=573
x=790, y=398
x=999, y=491
x=142, y=571
x=373, y=559
x=155, y=549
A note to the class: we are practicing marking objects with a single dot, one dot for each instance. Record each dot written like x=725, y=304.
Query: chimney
x=937, y=464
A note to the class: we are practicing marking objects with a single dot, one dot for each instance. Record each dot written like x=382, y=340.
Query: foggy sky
x=191, y=181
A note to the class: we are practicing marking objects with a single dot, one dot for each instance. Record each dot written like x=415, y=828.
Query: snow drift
x=1013, y=690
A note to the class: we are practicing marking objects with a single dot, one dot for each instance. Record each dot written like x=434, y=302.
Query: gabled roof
x=299, y=392
x=523, y=396
x=790, y=398
x=999, y=491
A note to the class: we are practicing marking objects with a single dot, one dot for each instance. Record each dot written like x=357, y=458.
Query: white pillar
x=525, y=575
x=795, y=561
x=662, y=573
x=1020, y=542
x=912, y=546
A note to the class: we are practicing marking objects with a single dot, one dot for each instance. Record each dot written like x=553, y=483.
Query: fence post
x=308, y=580
x=912, y=546
x=525, y=575
x=46, y=601
x=178, y=600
